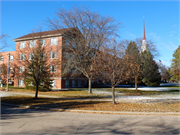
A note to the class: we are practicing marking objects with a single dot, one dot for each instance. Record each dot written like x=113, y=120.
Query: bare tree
x=91, y=31
x=165, y=75
x=111, y=65
x=3, y=72
x=3, y=41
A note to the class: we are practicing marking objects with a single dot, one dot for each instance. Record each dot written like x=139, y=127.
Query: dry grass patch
x=92, y=105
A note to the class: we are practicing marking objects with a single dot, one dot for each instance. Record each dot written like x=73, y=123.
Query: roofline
x=37, y=37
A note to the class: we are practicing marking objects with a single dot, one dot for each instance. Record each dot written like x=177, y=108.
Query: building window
x=43, y=42
x=11, y=58
x=32, y=43
x=20, y=83
x=53, y=68
x=79, y=83
x=9, y=80
x=21, y=69
x=73, y=83
x=67, y=83
x=85, y=82
x=11, y=70
x=1, y=58
x=31, y=56
x=22, y=45
x=22, y=57
x=53, y=55
x=1, y=70
x=53, y=83
x=53, y=41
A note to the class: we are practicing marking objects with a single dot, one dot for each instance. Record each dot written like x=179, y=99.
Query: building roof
x=43, y=34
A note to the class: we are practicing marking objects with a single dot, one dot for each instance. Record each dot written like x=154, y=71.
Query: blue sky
x=161, y=20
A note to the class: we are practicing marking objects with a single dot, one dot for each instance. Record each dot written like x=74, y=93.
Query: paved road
x=29, y=121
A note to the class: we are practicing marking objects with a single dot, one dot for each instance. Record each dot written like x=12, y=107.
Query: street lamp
x=8, y=72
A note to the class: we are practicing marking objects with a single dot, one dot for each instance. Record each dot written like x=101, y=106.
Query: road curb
x=93, y=111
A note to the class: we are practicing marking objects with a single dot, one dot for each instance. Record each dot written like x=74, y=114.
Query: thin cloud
x=171, y=46
x=154, y=36
x=171, y=33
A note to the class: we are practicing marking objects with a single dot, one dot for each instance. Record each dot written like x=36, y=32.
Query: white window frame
x=43, y=42
x=20, y=83
x=42, y=83
x=22, y=44
x=22, y=57
x=53, y=41
x=31, y=55
x=11, y=58
x=53, y=55
x=73, y=83
x=53, y=68
x=10, y=70
x=1, y=58
x=53, y=83
x=31, y=43
x=21, y=69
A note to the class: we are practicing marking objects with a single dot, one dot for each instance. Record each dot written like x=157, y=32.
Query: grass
x=91, y=105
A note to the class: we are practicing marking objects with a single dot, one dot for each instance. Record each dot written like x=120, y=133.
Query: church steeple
x=144, y=38
x=143, y=46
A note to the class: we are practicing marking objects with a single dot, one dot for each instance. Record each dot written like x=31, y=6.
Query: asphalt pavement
x=23, y=121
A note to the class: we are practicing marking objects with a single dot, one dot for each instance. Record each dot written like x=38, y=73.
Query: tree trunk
x=113, y=95
x=90, y=88
x=36, y=92
x=136, y=83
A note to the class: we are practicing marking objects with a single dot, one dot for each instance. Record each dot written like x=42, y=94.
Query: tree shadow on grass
x=62, y=103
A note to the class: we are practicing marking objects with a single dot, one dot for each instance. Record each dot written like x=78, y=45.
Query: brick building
x=53, y=42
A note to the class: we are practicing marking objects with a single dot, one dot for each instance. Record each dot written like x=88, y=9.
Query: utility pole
x=8, y=72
